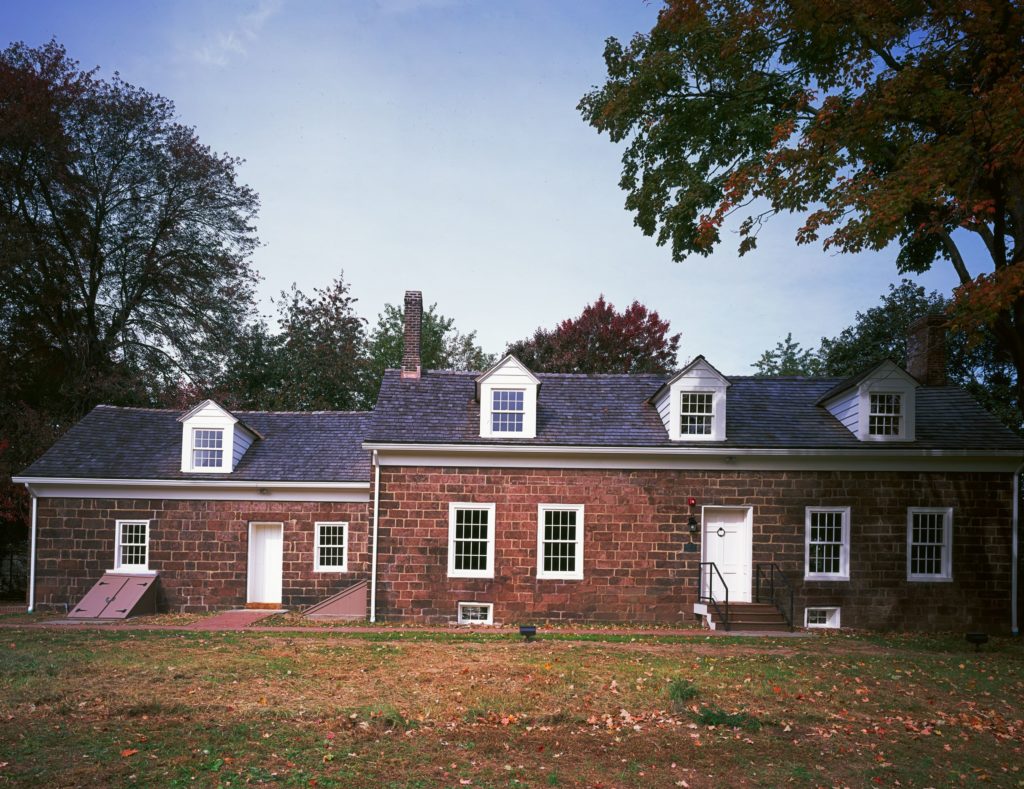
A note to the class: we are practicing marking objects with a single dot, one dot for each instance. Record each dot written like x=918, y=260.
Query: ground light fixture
x=977, y=639
x=528, y=632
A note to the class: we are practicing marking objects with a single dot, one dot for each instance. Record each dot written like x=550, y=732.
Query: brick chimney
x=413, y=324
x=926, y=350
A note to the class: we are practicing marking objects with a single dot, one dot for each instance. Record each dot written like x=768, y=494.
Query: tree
x=602, y=340
x=442, y=347
x=973, y=362
x=788, y=358
x=315, y=362
x=878, y=122
x=125, y=242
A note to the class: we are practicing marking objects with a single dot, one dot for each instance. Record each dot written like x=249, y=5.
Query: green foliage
x=716, y=716
x=788, y=358
x=602, y=340
x=681, y=690
x=895, y=124
x=442, y=347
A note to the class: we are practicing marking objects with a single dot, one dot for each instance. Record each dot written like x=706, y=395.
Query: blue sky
x=435, y=145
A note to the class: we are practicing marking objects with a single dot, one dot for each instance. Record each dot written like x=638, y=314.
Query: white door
x=727, y=543
x=266, y=543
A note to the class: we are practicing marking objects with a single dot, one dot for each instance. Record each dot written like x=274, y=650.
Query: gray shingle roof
x=143, y=443
x=614, y=410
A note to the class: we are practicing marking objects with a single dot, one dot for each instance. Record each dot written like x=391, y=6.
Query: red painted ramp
x=349, y=603
x=118, y=596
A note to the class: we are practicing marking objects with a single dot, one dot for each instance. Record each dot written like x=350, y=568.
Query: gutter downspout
x=376, y=513
x=32, y=556
x=1015, y=551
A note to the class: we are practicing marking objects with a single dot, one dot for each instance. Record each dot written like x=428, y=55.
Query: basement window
x=476, y=614
x=821, y=617
x=131, y=546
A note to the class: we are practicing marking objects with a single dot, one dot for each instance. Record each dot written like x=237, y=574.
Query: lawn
x=408, y=709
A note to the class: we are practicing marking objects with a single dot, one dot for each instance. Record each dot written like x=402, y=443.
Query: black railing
x=722, y=611
x=774, y=590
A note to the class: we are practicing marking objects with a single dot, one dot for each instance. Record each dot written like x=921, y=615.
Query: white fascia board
x=708, y=458
x=216, y=490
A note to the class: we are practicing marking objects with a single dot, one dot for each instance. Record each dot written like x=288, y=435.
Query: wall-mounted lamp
x=692, y=501
x=692, y=523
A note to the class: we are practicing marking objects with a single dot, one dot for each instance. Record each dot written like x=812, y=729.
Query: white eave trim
x=688, y=457
x=215, y=489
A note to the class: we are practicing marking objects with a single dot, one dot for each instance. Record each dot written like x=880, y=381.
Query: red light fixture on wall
x=692, y=501
x=692, y=521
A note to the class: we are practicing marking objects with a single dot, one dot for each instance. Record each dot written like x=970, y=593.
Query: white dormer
x=213, y=440
x=878, y=405
x=692, y=404
x=508, y=400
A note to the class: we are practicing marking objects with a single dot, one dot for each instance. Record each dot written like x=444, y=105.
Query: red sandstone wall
x=200, y=548
x=641, y=563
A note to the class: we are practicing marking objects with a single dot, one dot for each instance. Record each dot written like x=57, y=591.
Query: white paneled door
x=266, y=553
x=727, y=543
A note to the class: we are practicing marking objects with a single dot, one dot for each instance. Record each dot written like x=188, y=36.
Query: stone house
x=886, y=500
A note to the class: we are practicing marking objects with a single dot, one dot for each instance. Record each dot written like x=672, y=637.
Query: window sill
x=820, y=577
x=929, y=579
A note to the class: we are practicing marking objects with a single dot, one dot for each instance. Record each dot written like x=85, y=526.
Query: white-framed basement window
x=507, y=410
x=930, y=544
x=131, y=546
x=885, y=414
x=697, y=413
x=827, y=544
x=470, y=540
x=821, y=616
x=330, y=547
x=476, y=613
x=207, y=448
x=560, y=541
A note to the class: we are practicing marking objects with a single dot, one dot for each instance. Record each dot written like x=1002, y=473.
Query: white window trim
x=516, y=433
x=844, y=551
x=709, y=416
x=129, y=568
x=488, y=606
x=453, y=507
x=577, y=574
x=718, y=407
x=330, y=568
x=224, y=449
x=947, y=543
x=901, y=401
x=889, y=386
x=832, y=622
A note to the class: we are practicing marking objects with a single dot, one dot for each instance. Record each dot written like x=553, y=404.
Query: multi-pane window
x=330, y=550
x=131, y=551
x=476, y=613
x=207, y=448
x=507, y=411
x=884, y=418
x=560, y=541
x=696, y=413
x=471, y=540
x=822, y=617
x=929, y=544
x=827, y=543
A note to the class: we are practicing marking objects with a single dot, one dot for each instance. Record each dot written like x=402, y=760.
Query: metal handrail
x=710, y=597
x=773, y=570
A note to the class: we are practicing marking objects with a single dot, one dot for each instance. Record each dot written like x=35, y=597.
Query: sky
x=435, y=145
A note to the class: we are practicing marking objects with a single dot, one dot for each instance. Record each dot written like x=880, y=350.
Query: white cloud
x=236, y=41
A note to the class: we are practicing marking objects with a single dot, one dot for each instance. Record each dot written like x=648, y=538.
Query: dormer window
x=876, y=405
x=507, y=394
x=507, y=411
x=698, y=413
x=885, y=414
x=692, y=404
x=213, y=440
x=207, y=448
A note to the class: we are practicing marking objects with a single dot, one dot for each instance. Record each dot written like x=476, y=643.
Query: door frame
x=748, y=521
x=250, y=563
